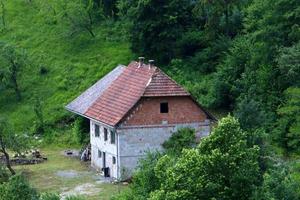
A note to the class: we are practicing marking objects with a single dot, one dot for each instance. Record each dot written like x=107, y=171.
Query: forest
x=240, y=59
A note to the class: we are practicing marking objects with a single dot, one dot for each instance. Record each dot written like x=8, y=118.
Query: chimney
x=151, y=63
x=141, y=61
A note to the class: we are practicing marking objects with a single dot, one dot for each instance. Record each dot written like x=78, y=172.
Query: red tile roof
x=124, y=91
x=162, y=85
x=121, y=95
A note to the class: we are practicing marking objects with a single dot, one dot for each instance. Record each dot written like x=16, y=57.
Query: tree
x=287, y=131
x=250, y=114
x=278, y=184
x=156, y=25
x=10, y=141
x=224, y=166
x=12, y=60
x=3, y=13
x=78, y=15
x=215, y=11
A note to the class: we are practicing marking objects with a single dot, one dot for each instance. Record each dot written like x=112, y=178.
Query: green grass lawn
x=44, y=176
x=73, y=63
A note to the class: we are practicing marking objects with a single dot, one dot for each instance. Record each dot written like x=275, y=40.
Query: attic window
x=164, y=107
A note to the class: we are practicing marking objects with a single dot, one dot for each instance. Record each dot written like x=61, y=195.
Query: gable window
x=164, y=107
x=114, y=160
x=105, y=134
x=112, y=137
x=97, y=130
x=99, y=154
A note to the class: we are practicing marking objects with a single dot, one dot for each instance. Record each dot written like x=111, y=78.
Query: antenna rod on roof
x=141, y=61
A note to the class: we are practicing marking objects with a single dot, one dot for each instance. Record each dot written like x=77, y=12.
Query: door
x=104, y=160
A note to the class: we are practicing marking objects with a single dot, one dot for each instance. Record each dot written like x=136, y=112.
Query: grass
x=43, y=176
x=72, y=63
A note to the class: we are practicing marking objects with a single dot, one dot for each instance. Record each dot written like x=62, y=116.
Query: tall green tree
x=78, y=15
x=157, y=25
x=287, y=131
x=221, y=16
x=12, y=61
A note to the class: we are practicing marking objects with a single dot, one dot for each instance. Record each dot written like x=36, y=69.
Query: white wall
x=98, y=143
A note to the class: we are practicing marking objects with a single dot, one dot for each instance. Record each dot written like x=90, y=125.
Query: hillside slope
x=69, y=64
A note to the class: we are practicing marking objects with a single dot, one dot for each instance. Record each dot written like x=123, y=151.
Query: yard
x=68, y=176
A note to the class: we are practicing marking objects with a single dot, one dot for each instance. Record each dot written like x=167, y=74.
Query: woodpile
x=26, y=158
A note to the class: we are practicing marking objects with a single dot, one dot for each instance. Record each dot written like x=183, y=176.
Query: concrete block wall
x=136, y=141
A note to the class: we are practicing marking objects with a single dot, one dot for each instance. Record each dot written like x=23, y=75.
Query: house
x=132, y=110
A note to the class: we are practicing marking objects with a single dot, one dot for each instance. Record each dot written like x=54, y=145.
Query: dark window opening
x=164, y=108
x=105, y=134
x=114, y=160
x=112, y=137
x=99, y=154
x=97, y=130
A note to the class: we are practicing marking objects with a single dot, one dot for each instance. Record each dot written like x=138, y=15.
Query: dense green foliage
x=182, y=138
x=17, y=188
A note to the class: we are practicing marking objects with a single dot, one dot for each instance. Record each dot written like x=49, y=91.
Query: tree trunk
x=7, y=159
x=90, y=31
x=8, y=165
x=14, y=78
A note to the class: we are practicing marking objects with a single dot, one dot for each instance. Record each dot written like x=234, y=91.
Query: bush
x=3, y=174
x=49, y=196
x=17, y=188
x=183, y=138
x=81, y=130
x=75, y=198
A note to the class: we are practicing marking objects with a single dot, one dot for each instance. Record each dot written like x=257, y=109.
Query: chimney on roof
x=141, y=61
x=151, y=63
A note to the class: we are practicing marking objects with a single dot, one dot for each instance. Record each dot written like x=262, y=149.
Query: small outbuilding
x=133, y=110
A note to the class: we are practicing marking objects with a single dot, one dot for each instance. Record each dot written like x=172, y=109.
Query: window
x=97, y=130
x=99, y=154
x=112, y=137
x=114, y=160
x=105, y=134
x=164, y=108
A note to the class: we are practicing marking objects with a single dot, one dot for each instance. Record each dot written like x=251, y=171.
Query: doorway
x=104, y=160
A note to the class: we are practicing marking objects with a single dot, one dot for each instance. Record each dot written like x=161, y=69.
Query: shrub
x=81, y=130
x=17, y=188
x=49, y=196
x=183, y=138
x=3, y=174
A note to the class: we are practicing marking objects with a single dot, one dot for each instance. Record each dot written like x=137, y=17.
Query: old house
x=132, y=110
